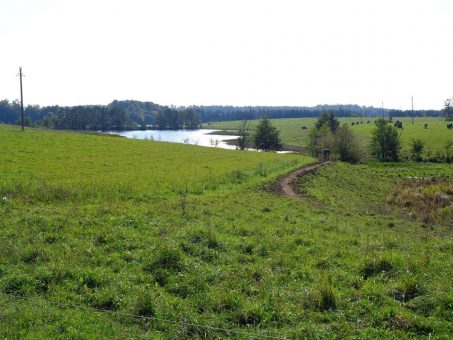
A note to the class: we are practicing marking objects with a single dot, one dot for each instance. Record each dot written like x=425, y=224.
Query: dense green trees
x=385, y=142
x=327, y=134
x=267, y=136
x=329, y=119
x=119, y=115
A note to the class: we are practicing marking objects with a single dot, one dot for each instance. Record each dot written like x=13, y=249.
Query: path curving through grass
x=287, y=186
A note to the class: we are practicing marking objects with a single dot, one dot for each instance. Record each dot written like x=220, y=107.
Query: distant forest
x=132, y=114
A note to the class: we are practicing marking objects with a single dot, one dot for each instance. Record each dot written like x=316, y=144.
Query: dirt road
x=287, y=185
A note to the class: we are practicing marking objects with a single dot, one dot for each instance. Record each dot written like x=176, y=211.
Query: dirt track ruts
x=287, y=185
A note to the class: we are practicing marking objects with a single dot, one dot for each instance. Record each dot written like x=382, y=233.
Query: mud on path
x=287, y=184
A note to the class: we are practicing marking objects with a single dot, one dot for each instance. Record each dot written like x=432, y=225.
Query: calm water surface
x=203, y=137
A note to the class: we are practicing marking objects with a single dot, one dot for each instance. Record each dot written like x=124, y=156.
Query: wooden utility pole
x=21, y=99
x=412, y=109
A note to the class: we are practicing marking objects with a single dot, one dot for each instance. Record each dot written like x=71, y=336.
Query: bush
x=417, y=147
x=346, y=145
x=385, y=143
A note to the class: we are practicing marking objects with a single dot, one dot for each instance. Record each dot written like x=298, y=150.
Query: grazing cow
x=426, y=125
x=450, y=126
x=352, y=123
x=398, y=124
x=368, y=122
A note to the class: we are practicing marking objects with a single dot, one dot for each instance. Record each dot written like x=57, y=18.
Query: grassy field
x=436, y=136
x=109, y=237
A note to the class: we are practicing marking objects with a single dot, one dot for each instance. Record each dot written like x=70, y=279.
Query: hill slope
x=100, y=238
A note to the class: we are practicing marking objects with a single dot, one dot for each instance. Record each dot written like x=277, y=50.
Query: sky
x=228, y=52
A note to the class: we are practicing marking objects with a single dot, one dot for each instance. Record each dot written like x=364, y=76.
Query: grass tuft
x=381, y=266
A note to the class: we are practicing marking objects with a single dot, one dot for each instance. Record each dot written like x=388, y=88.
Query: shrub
x=346, y=145
x=417, y=147
x=385, y=142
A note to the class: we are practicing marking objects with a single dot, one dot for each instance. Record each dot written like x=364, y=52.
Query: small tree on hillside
x=319, y=139
x=346, y=145
x=385, y=142
x=244, y=135
x=447, y=111
x=267, y=136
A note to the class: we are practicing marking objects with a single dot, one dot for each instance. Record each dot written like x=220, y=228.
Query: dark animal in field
x=303, y=127
x=326, y=154
x=426, y=125
x=368, y=122
x=450, y=126
x=357, y=123
x=398, y=124
x=352, y=123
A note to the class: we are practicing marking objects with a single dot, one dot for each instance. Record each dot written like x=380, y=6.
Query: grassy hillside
x=100, y=239
x=436, y=136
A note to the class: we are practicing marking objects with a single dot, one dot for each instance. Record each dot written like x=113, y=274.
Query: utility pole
x=412, y=109
x=21, y=99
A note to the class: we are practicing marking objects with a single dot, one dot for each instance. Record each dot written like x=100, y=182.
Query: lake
x=202, y=137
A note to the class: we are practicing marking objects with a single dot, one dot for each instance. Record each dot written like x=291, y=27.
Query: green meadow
x=106, y=237
x=436, y=136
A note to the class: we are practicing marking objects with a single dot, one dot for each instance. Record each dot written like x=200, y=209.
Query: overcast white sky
x=229, y=52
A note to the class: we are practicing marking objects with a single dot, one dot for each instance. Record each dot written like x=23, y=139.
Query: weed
x=145, y=305
x=327, y=300
x=18, y=284
x=33, y=255
x=183, y=195
x=406, y=290
x=104, y=300
x=377, y=266
x=167, y=258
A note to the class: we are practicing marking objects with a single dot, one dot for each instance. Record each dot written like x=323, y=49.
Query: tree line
x=330, y=139
x=118, y=115
x=222, y=113
x=133, y=114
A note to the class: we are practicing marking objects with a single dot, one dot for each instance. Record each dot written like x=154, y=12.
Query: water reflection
x=202, y=137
